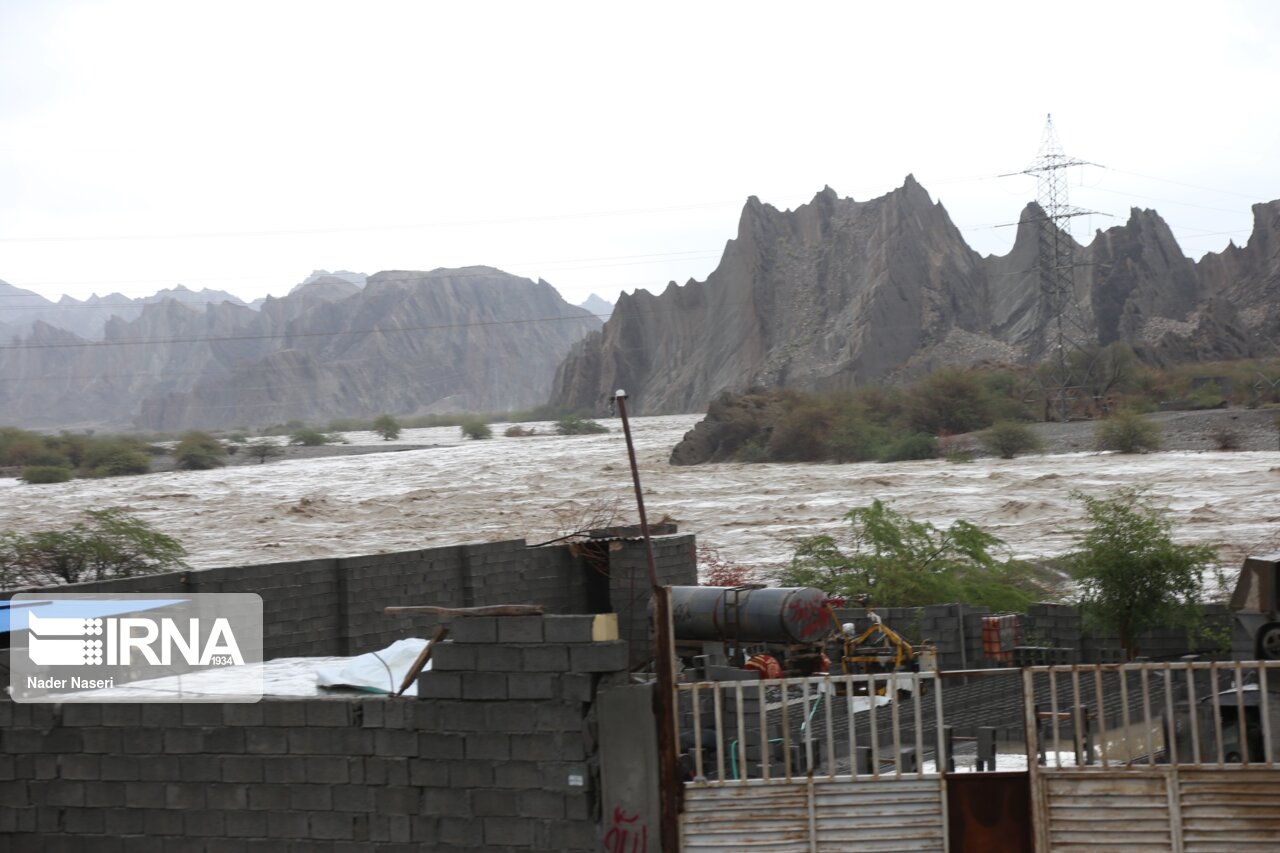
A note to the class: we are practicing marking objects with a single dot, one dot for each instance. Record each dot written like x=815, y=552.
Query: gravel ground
x=1253, y=429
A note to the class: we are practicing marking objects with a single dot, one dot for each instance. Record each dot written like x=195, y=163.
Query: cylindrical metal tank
x=770, y=615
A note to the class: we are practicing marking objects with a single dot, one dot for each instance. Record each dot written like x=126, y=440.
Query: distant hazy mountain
x=21, y=309
x=598, y=306
x=839, y=293
x=475, y=339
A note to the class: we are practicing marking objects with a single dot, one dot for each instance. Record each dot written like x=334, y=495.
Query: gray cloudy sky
x=601, y=146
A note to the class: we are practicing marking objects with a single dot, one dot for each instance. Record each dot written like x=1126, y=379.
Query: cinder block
x=284, y=824
x=546, y=658
x=454, y=657
x=333, y=825
x=484, y=686
x=577, y=687
x=460, y=831
x=246, y=824
x=199, y=768
x=488, y=746
x=532, y=685
x=474, y=629
x=311, y=797
x=599, y=657
x=398, y=800
x=584, y=628
x=512, y=831
x=329, y=712
x=469, y=775
x=446, y=802
x=540, y=804
x=436, y=745
x=353, y=798
x=328, y=770
x=520, y=629
x=440, y=685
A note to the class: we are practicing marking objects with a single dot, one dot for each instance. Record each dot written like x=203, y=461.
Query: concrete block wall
x=512, y=698
x=335, y=606
x=630, y=590
x=498, y=754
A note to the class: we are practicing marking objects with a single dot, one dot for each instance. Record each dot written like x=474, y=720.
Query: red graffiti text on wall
x=626, y=834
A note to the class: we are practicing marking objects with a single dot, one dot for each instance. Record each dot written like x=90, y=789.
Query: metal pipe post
x=668, y=783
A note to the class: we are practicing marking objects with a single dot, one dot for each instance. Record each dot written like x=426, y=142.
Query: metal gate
x=827, y=763
x=1164, y=757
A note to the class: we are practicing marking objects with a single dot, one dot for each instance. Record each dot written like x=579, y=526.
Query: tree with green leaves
x=111, y=543
x=475, y=429
x=199, y=451
x=387, y=427
x=262, y=449
x=578, y=425
x=1007, y=439
x=900, y=562
x=1130, y=575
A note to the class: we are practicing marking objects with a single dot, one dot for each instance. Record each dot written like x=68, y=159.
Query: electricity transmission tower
x=1056, y=266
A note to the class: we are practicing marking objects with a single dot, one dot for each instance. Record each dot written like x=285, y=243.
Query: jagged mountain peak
x=837, y=293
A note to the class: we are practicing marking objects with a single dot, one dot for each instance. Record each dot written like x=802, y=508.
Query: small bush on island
x=517, y=431
x=114, y=458
x=1007, y=439
x=475, y=429
x=262, y=450
x=387, y=427
x=199, y=451
x=308, y=437
x=578, y=425
x=1127, y=433
x=44, y=474
x=910, y=448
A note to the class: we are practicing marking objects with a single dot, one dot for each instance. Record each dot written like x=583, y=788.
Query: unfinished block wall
x=499, y=753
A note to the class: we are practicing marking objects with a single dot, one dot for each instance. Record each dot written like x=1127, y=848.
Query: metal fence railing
x=824, y=726
x=1197, y=714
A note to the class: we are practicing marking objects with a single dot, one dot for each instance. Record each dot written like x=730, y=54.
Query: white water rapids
x=509, y=488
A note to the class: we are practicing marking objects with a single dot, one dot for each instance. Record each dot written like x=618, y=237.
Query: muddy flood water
x=537, y=487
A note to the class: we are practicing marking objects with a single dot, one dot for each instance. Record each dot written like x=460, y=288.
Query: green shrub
x=111, y=544
x=476, y=429
x=42, y=474
x=856, y=439
x=1127, y=433
x=901, y=562
x=262, y=450
x=917, y=446
x=517, y=431
x=754, y=450
x=307, y=437
x=107, y=457
x=800, y=435
x=387, y=427
x=199, y=451
x=1007, y=439
x=578, y=425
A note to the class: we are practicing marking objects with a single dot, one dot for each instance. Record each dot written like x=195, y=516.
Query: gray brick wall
x=500, y=753
x=492, y=758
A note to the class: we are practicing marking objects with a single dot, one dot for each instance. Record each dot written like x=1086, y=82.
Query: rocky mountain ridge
x=838, y=293
x=408, y=342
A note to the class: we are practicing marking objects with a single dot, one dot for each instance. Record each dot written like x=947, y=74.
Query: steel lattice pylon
x=1055, y=262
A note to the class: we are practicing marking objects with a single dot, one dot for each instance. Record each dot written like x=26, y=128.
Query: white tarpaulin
x=376, y=672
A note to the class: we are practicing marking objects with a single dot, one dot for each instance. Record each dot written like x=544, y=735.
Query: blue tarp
x=13, y=614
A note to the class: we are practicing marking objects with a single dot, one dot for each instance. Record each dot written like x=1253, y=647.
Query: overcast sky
x=602, y=146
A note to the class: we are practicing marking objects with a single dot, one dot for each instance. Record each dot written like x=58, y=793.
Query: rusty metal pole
x=668, y=783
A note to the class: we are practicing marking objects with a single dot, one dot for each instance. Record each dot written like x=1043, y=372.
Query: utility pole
x=1054, y=254
x=664, y=662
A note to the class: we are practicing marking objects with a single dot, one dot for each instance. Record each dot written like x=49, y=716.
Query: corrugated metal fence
x=813, y=764
x=1176, y=757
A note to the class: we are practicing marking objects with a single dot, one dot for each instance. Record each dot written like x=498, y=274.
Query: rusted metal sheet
x=1236, y=810
x=885, y=814
x=989, y=811
x=1120, y=810
x=882, y=815
x=772, y=817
